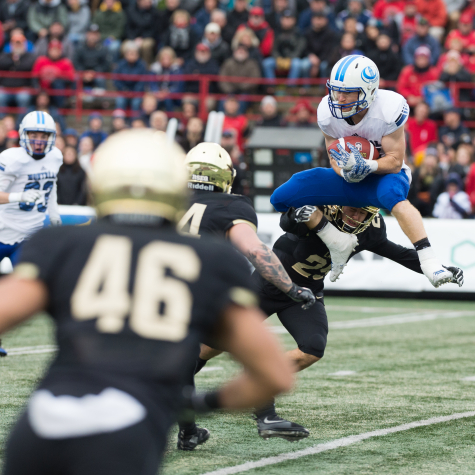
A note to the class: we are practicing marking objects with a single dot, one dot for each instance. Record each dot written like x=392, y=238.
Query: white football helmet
x=37, y=121
x=209, y=164
x=354, y=73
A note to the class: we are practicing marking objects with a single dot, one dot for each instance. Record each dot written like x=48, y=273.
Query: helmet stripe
x=42, y=117
x=338, y=71
x=345, y=67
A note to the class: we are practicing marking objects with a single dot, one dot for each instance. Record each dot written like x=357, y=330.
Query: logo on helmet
x=368, y=75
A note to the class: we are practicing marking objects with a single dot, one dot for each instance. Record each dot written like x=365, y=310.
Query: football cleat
x=275, y=426
x=440, y=277
x=3, y=352
x=340, y=252
x=190, y=442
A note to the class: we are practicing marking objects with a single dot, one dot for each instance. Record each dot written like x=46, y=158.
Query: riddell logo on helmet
x=201, y=186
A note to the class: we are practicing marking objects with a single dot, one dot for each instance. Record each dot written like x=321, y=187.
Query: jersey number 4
x=195, y=214
x=160, y=306
x=34, y=185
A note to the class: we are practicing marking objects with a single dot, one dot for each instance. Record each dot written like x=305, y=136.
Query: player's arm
x=394, y=147
x=21, y=298
x=328, y=141
x=245, y=239
x=53, y=209
x=28, y=196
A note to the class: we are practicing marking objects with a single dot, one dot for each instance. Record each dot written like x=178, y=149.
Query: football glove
x=457, y=275
x=345, y=160
x=360, y=171
x=28, y=196
x=302, y=294
x=302, y=215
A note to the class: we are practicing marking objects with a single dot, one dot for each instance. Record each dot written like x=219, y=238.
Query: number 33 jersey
x=20, y=172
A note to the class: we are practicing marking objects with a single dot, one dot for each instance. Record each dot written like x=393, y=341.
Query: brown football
x=366, y=148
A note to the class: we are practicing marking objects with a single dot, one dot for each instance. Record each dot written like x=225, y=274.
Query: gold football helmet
x=209, y=164
x=342, y=220
x=139, y=172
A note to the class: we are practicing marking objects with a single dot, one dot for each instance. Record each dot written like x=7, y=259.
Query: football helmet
x=37, y=121
x=354, y=73
x=209, y=164
x=139, y=172
x=338, y=216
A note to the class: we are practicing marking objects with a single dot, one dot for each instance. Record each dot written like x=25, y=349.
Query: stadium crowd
x=419, y=46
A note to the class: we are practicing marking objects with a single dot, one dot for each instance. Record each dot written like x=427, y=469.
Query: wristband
x=373, y=164
x=14, y=197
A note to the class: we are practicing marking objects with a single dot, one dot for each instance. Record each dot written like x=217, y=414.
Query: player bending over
x=355, y=106
x=217, y=212
x=307, y=260
x=28, y=184
x=131, y=300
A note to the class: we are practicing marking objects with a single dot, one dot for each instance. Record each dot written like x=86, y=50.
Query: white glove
x=28, y=196
x=345, y=160
x=362, y=168
x=302, y=215
x=56, y=221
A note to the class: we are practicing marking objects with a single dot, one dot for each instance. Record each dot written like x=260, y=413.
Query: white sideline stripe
x=211, y=368
x=335, y=444
x=31, y=350
x=349, y=308
x=468, y=378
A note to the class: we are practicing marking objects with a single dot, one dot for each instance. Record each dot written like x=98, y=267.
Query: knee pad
x=314, y=344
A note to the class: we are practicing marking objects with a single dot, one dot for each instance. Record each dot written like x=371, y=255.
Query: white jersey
x=388, y=113
x=20, y=172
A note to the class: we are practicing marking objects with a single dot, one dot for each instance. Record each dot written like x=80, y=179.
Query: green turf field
x=409, y=360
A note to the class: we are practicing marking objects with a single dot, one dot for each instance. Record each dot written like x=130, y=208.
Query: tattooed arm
x=267, y=263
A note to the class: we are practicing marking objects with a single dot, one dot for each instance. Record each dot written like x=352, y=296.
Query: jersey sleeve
x=9, y=163
x=242, y=211
x=324, y=119
x=399, y=117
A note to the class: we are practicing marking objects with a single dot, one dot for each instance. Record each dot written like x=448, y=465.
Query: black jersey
x=131, y=305
x=307, y=259
x=216, y=213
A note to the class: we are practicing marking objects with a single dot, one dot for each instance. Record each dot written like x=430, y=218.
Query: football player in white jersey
x=356, y=106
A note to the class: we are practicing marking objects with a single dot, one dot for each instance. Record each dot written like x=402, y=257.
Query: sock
x=429, y=262
x=200, y=364
x=184, y=423
x=422, y=244
x=321, y=225
x=330, y=235
x=266, y=411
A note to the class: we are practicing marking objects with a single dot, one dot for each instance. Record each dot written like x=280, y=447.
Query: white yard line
x=335, y=444
x=207, y=369
x=31, y=350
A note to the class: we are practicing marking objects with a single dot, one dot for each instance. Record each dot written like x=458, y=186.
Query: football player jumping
x=307, y=260
x=356, y=106
x=214, y=210
x=28, y=184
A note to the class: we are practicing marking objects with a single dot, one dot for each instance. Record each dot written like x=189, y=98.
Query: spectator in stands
x=12, y=139
x=71, y=137
x=118, y=121
x=322, y=44
x=166, y=66
x=273, y=18
x=371, y=34
x=351, y=26
x=246, y=37
x=71, y=180
x=19, y=60
x=189, y=110
x=202, y=64
x=289, y=47
x=422, y=130
x=144, y=27
x=193, y=134
x=454, y=203
x=203, y=16
x=171, y=6
x=470, y=185
x=86, y=149
x=59, y=143
x=233, y=120
x=355, y=10
x=42, y=14
x=412, y=78
x=220, y=50
x=386, y=59
x=463, y=160
x=131, y=64
x=408, y=21
x=270, y=114
x=229, y=143
x=240, y=64
x=464, y=32
x=181, y=37
x=421, y=38
x=387, y=8
x=137, y=123
x=13, y=15
x=436, y=14
x=79, y=18
x=43, y=103
x=348, y=45
x=424, y=187
x=3, y=137
x=453, y=132
x=95, y=130
x=453, y=71
x=261, y=28
x=148, y=107
x=110, y=18
x=316, y=6
x=92, y=58
x=238, y=16
x=301, y=114
x=158, y=121
x=219, y=17
x=55, y=32
x=30, y=47
x=54, y=71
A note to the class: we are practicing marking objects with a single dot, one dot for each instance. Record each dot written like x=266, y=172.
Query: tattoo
x=269, y=266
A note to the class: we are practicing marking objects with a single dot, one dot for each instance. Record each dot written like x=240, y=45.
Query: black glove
x=289, y=224
x=302, y=294
x=197, y=403
x=457, y=273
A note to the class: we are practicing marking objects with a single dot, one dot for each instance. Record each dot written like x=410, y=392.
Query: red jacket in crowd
x=466, y=41
x=239, y=124
x=265, y=34
x=48, y=70
x=408, y=28
x=410, y=82
x=470, y=185
x=433, y=11
x=421, y=134
x=384, y=8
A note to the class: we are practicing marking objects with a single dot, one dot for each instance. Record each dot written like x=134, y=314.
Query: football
x=366, y=148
